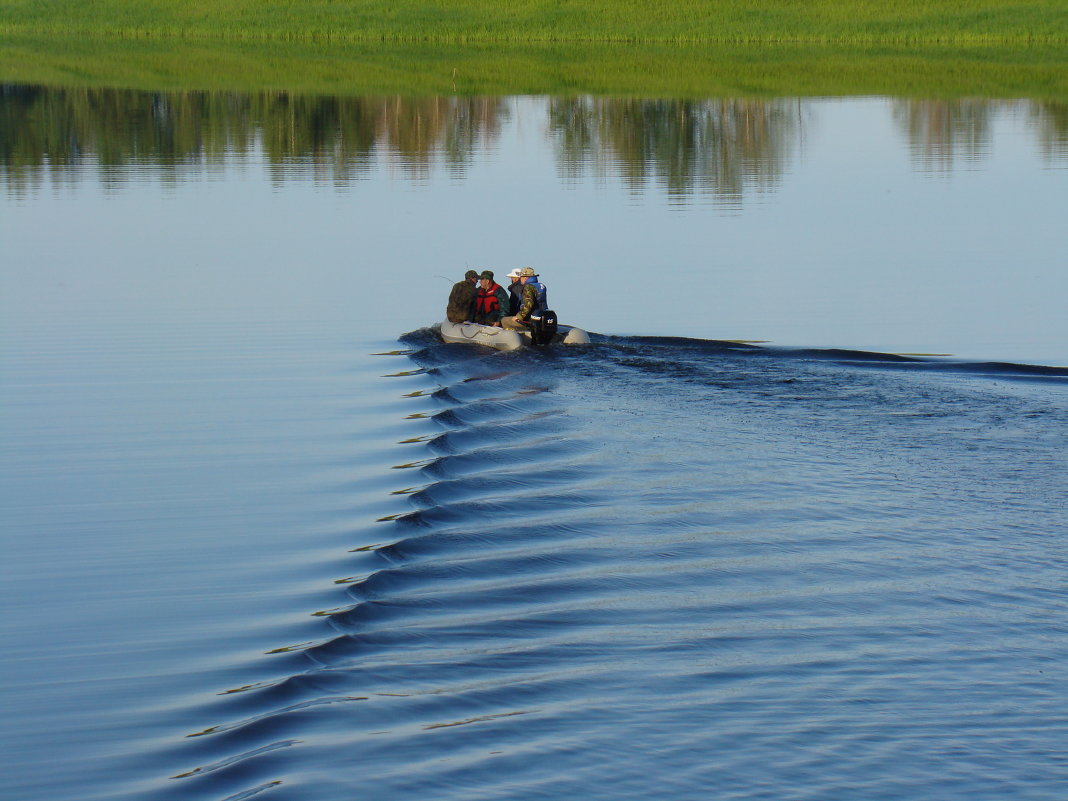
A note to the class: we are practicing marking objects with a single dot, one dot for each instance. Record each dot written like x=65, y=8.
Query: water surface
x=266, y=536
x=881, y=224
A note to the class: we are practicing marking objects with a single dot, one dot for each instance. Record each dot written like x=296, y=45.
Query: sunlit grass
x=856, y=22
x=652, y=70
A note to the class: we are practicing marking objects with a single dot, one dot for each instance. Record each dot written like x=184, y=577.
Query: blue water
x=653, y=567
x=265, y=536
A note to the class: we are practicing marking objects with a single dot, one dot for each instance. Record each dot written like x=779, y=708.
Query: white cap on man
x=514, y=273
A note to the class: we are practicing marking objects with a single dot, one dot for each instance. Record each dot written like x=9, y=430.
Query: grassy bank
x=1039, y=72
x=852, y=22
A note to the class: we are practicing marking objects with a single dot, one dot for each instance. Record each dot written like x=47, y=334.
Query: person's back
x=515, y=292
x=461, y=304
x=543, y=292
x=515, y=297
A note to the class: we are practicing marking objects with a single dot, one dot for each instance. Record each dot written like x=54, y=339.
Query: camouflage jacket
x=529, y=303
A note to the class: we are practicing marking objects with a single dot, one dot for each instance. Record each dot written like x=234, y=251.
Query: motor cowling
x=543, y=327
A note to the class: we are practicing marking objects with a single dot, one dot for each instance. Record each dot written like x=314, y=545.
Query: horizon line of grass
x=961, y=40
x=542, y=38
x=441, y=22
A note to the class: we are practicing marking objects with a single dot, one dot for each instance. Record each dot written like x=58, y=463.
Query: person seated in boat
x=534, y=300
x=515, y=292
x=461, y=307
x=491, y=301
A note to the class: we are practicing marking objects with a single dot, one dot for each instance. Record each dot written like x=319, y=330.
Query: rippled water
x=648, y=567
x=260, y=542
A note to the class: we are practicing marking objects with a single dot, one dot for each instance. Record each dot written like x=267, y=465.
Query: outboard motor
x=543, y=327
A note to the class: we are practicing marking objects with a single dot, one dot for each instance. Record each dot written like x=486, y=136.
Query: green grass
x=991, y=48
x=852, y=22
x=1039, y=72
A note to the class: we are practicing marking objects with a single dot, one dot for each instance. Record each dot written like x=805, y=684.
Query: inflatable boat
x=506, y=338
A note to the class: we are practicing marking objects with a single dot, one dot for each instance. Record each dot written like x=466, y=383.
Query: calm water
x=265, y=536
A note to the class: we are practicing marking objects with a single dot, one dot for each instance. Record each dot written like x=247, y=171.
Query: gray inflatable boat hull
x=504, y=338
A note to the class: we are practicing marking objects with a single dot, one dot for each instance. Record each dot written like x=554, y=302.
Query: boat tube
x=507, y=338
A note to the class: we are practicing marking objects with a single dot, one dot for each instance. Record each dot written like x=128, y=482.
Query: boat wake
x=659, y=563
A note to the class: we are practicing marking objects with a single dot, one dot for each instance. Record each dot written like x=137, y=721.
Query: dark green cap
x=487, y=274
x=470, y=274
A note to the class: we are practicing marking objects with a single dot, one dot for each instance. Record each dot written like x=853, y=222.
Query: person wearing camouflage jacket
x=533, y=299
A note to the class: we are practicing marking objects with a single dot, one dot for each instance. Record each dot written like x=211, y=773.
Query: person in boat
x=515, y=292
x=461, y=306
x=534, y=300
x=491, y=301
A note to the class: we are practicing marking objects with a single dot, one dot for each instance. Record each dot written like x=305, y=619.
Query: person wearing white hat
x=515, y=292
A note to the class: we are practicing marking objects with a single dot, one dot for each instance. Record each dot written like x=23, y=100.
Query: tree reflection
x=64, y=127
x=723, y=148
x=940, y=132
x=719, y=147
x=1050, y=121
x=448, y=128
x=46, y=131
x=334, y=137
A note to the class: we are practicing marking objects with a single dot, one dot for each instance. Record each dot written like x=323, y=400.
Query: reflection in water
x=719, y=147
x=53, y=130
x=714, y=146
x=1050, y=121
x=943, y=132
x=449, y=128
